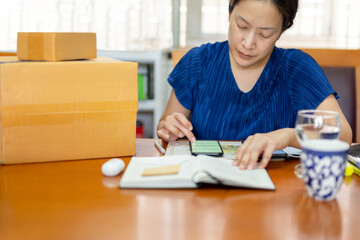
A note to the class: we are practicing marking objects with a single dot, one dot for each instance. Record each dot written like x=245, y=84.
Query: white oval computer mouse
x=113, y=167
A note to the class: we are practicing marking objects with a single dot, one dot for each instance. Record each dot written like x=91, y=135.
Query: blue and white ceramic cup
x=323, y=165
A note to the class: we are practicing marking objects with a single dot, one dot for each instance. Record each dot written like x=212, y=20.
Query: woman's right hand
x=175, y=126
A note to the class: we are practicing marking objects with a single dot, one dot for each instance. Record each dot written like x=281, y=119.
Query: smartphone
x=277, y=155
x=206, y=147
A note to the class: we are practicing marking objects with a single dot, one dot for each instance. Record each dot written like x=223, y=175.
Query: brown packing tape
x=126, y=105
x=60, y=118
x=13, y=116
x=34, y=46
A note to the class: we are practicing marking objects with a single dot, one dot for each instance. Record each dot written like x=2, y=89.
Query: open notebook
x=229, y=148
x=186, y=171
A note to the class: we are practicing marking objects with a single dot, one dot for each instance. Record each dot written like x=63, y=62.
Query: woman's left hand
x=263, y=144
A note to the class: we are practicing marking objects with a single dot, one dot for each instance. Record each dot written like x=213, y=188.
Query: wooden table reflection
x=73, y=200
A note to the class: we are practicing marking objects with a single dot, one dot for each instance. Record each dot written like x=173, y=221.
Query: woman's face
x=255, y=26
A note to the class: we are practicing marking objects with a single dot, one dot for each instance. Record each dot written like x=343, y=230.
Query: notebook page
x=133, y=175
x=222, y=170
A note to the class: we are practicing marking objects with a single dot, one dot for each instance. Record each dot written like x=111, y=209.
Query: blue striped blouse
x=203, y=83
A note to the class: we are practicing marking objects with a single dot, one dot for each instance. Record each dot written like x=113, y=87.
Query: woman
x=246, y=88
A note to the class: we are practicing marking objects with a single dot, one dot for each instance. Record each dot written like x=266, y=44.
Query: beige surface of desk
x=73, y=200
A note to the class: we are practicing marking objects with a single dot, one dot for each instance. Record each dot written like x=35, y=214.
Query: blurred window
x=318, y=24
x=118, y=24
x=147, y=24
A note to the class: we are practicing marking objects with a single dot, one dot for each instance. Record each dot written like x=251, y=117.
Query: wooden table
x=73, y=200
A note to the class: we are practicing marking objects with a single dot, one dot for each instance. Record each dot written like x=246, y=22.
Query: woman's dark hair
x=287, y=8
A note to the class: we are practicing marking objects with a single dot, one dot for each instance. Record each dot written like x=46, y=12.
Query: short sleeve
x=308, y=86
x=185, y=76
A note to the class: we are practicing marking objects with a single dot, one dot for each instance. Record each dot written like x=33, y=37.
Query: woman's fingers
x=255, y=146
x=266, y=156
x=185, y=126
x=166, y=135
x=176, y=126
x=241, y=150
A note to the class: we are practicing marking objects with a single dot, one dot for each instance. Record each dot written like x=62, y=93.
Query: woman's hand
x=175, y=126
x=263, y=144
x=175, y=123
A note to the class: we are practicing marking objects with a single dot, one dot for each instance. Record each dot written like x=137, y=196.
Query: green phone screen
x=208, y=147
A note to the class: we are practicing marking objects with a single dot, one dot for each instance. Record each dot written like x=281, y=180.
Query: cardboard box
x=55, y=46
x=53, y=111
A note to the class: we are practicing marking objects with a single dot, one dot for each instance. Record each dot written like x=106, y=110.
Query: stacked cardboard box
x=55, y=46
x=67, y=110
